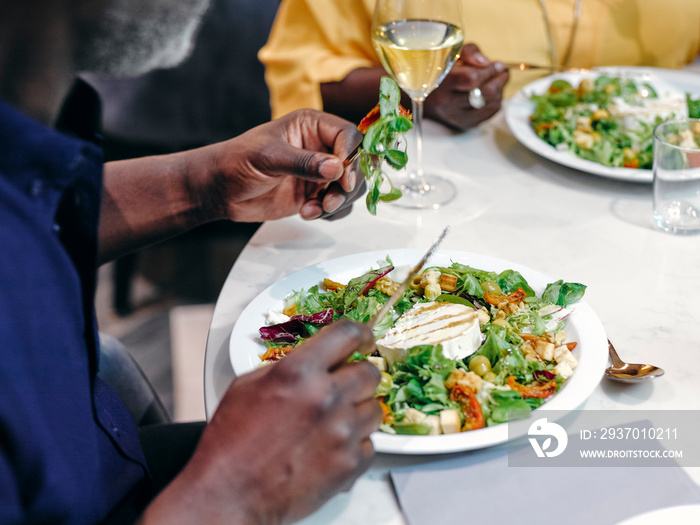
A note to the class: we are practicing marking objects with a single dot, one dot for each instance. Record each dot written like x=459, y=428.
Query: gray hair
x=132, y=37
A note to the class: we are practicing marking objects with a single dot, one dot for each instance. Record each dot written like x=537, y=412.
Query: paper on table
x=479, y=487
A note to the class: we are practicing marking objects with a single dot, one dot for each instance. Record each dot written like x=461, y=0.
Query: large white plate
x=582, y=326
x=680, y=514
x=519, y=109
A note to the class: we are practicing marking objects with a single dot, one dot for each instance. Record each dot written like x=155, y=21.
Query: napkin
x=479, y=487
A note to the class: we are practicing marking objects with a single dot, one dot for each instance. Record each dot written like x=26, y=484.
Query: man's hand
x=449, y=103
x=285, y=438
x=290, y=165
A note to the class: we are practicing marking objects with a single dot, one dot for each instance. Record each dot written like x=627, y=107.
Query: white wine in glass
x=418, y=42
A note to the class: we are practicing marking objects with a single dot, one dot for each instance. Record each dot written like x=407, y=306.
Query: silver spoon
x=629, y=372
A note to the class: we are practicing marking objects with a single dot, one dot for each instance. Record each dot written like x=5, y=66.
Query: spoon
x=629, y=372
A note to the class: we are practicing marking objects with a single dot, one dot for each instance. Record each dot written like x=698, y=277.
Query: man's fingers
x=310, y=129
x=333, y=202
x=325, y=205
x=314, y=148
x=333, y=344
x=358, y=381
x=370, y=415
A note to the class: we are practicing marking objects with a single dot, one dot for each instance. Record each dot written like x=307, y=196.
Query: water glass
x=677, y=176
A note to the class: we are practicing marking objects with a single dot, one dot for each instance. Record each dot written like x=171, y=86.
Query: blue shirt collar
x=34, y=151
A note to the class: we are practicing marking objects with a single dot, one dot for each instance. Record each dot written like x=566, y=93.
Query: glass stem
x=417, y=182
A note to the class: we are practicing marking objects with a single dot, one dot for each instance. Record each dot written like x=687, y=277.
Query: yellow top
x=317, y=41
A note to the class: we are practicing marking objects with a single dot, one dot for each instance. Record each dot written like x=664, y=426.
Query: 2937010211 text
x=604, y=438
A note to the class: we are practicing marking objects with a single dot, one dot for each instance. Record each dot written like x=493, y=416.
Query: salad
x=607, y=119
x=519, y=358
x=384, y=128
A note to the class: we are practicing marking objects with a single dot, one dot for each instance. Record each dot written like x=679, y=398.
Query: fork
x=523, y=66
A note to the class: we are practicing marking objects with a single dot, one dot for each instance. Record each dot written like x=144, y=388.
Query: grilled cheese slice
x=648, y=109
x=454, y=326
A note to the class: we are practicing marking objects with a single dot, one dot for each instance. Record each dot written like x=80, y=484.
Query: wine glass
x=418, y=42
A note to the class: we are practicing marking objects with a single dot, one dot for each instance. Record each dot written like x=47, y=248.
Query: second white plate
x=519, y=109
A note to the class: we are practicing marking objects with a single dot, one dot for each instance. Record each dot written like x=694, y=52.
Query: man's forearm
x=145, y=201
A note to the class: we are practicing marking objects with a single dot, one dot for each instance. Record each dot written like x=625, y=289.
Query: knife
x=411, y=275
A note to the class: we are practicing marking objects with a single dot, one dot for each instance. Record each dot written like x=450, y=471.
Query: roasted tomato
x=471, y=409
x=386, y=412
x=276, y=353
x=373, y=116
x=543, y=126
x=540, y=390
x=534, y=338
x=513, y=297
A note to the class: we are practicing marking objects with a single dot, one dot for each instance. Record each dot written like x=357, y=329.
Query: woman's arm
x=353, y=96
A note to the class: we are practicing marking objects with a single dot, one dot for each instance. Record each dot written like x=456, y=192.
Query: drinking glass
x=677, y=176
x=418, y=42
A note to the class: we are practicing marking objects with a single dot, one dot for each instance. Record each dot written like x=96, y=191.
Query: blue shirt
x=69, y=450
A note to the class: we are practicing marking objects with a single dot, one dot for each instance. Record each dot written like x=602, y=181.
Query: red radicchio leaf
x=380, y=273
x=360, y=285
x=290, y=331
x=543, y=375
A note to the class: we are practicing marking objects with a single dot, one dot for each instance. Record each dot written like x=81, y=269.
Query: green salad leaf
x=562, y=293
x=507, y=403
x=693, y=106
x=420, y=381
x=502, y=348
x=511, y=280
x=382, y=144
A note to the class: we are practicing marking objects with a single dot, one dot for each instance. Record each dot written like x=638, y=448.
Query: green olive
x=491, y=287
x=490, y=377
x=384, y=386
x=480, y=365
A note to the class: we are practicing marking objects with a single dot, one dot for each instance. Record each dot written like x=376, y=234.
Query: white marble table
x=514, y=205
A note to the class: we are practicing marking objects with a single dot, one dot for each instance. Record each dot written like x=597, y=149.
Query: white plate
x=519, y=109
x=582, y=326
x=681, y=514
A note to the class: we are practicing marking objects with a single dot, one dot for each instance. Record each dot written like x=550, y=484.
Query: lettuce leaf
x=511, y=280
x=502, y=349
x=693, y=106
x=562, y=293
x=381, y=143
x=506, y=405
x=420, y=381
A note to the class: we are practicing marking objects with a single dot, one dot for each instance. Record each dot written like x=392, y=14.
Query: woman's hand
x=285, y=437
x=290, y=165
x=449, y=103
